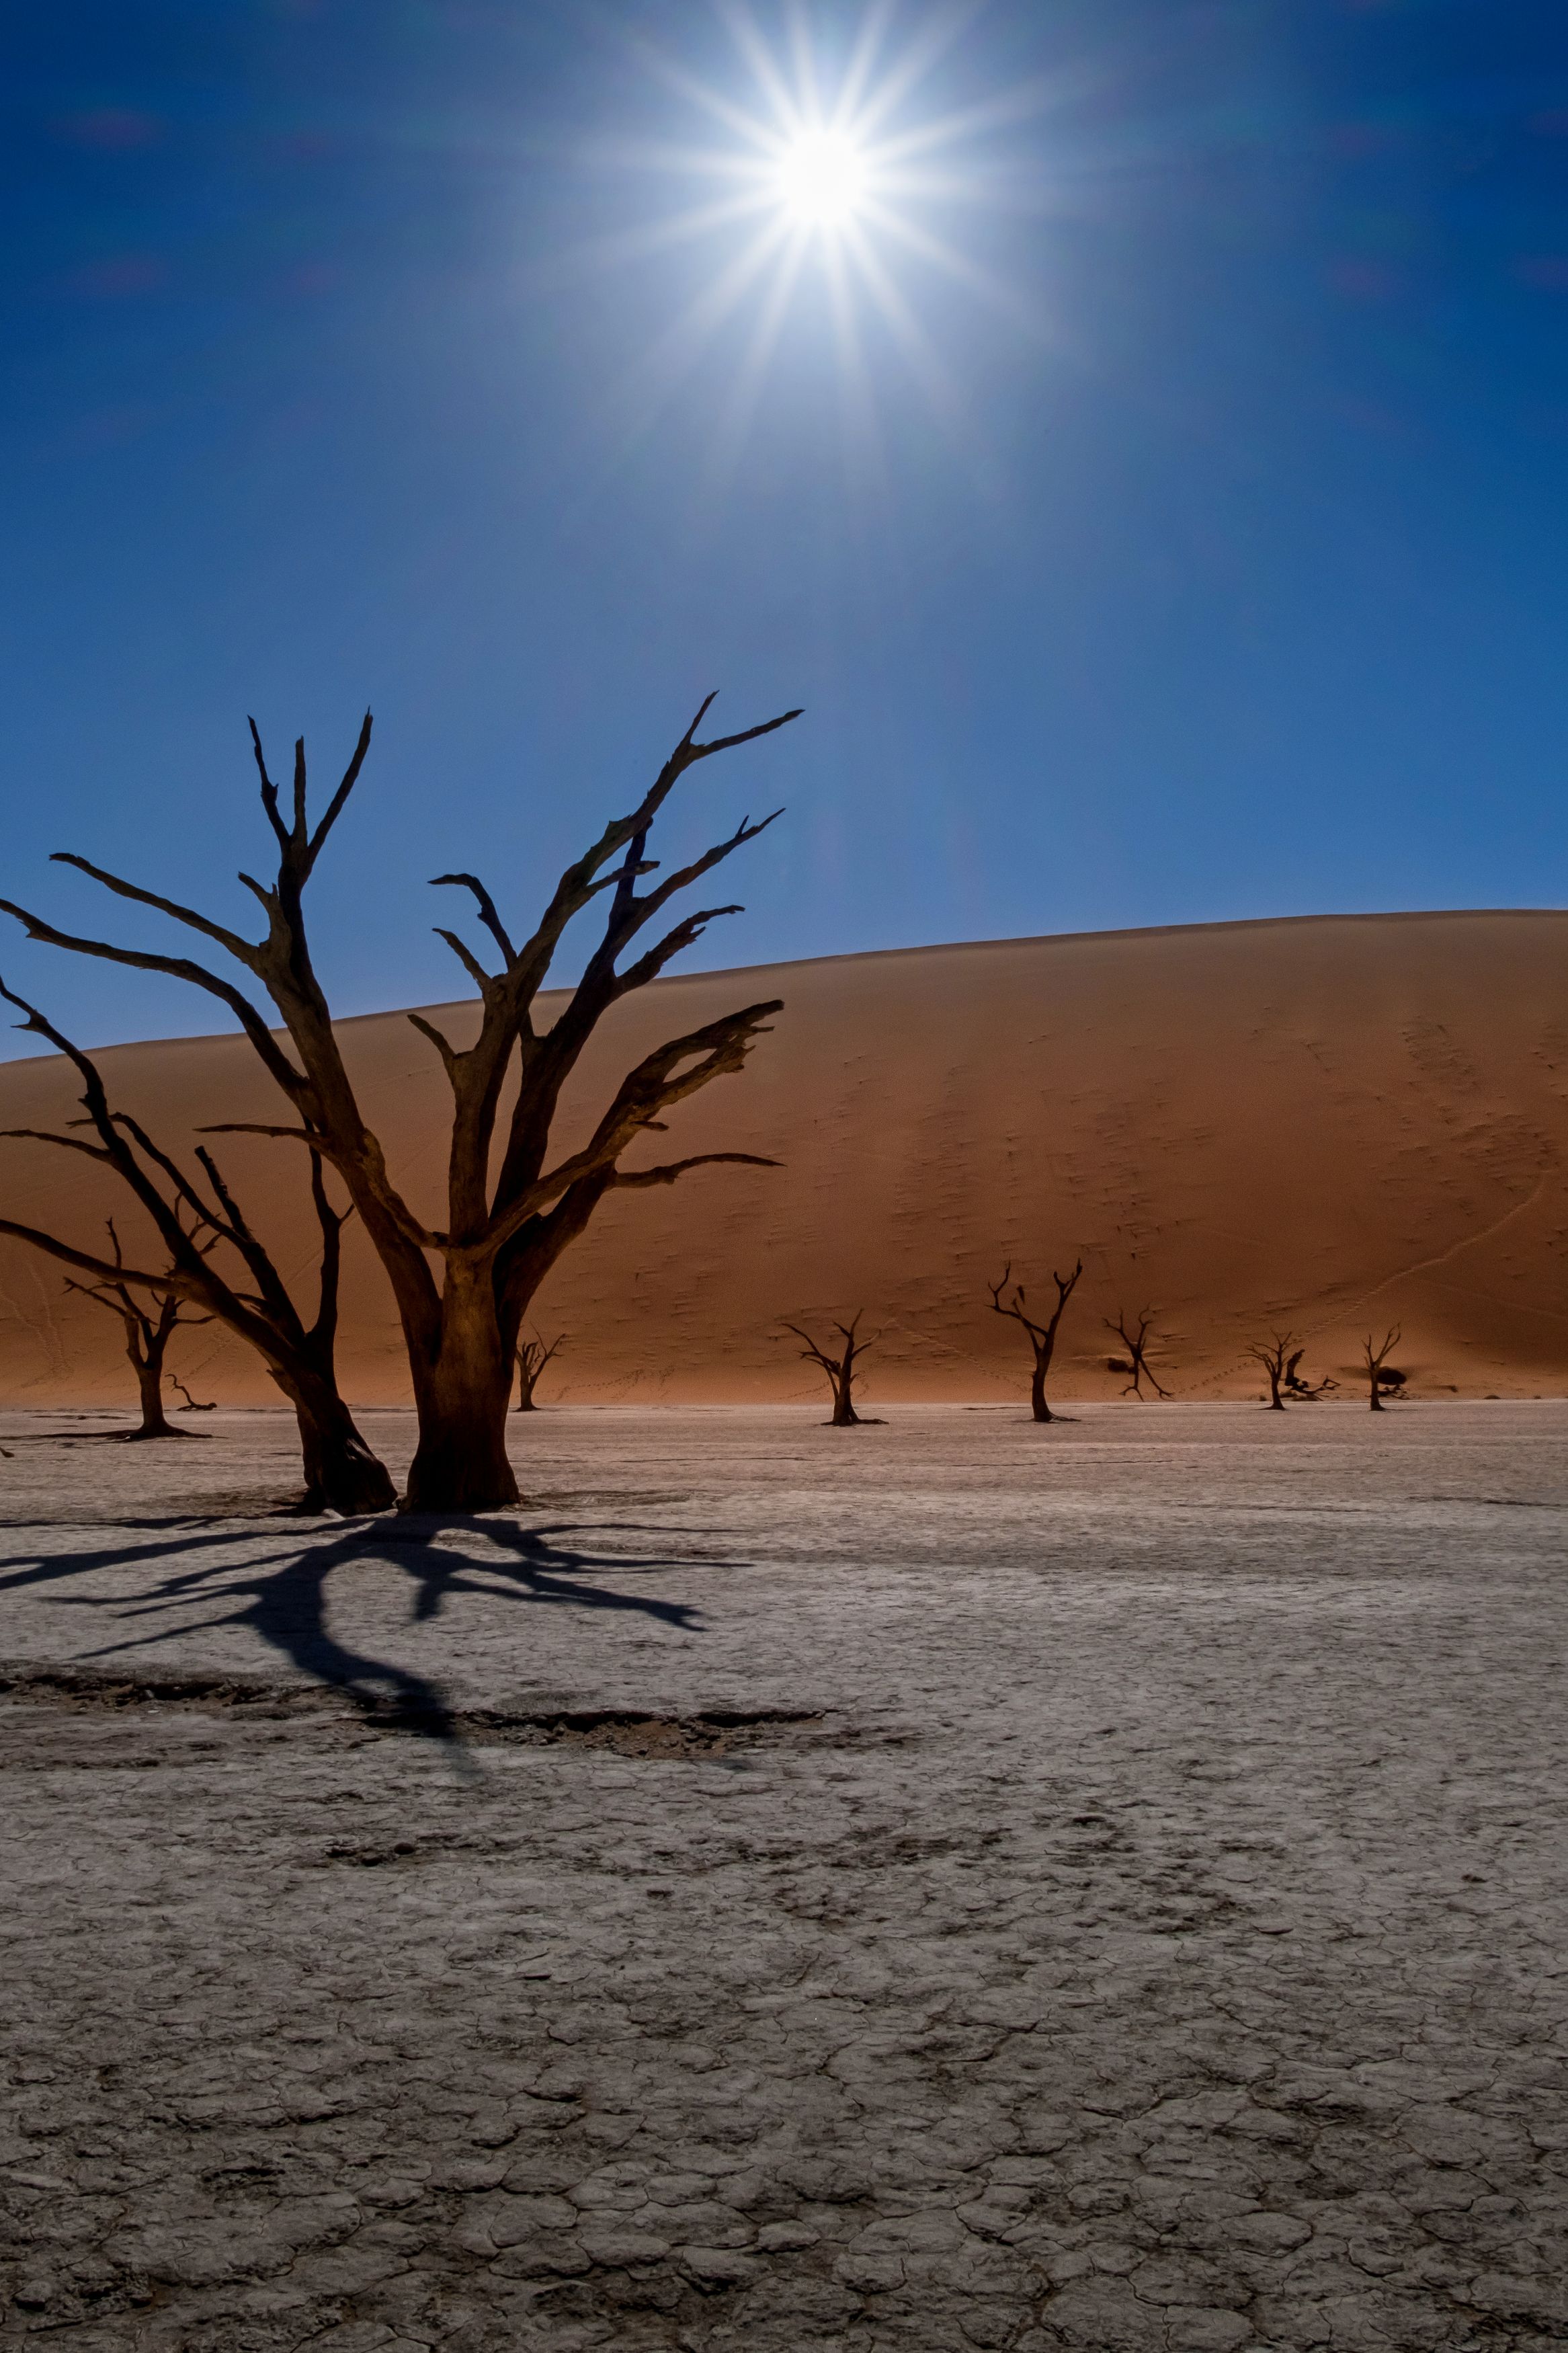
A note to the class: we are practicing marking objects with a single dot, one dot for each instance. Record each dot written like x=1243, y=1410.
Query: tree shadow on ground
x=282, y=1597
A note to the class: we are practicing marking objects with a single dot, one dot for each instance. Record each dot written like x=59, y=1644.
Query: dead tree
x=1274, y=1355
x=1042, y=1336
x=191, y=1222
x=840, y=1369
x=1297, y=1387
x=1137, y=1342
x=147, y=1337
x=501, y=1237
x=1380, y=1375
x=193, y=1405
x=532, y=1356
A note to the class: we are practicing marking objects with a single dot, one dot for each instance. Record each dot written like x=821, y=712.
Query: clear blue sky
x=1196, y=551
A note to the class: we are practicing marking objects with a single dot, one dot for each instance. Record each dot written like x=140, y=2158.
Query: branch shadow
x=282, y=1598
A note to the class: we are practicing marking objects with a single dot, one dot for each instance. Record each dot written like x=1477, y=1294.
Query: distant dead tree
x=193, y=1405
x=532, y=1356
x=1274, y=1355
x=1297, y=1387
x=1042, y=1337
x=499, y=1238
x=1380, y=1373
x=147, y=1336
x=1137, y=1342
x=191, y=1223
x=840, y=1369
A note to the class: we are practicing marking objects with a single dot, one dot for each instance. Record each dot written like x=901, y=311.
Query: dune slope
x=1337, y=1122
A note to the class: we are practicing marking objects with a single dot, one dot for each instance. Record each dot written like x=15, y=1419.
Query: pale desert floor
x=944, y=1884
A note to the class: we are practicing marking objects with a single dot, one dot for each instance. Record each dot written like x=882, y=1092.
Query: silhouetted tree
x=193, y=1405
x=532, y=1356
x=840, y=1369
x=147, y=1337
x=340, y=1468
x=1273, y=1354
x=1137, y=1342
x=501, y=1233
x=1380, y=1375
x=1042, y=1336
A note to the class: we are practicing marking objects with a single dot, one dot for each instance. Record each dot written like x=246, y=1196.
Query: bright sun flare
x=822, y=178
x=825, y=179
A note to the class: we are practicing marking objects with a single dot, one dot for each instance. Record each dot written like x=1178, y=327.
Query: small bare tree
x=147, y=1337
x=1274, y=1355
x=193, y=1405
x=463, y=1283
x=1380, y=1375
x=840, y=1369
x=1138, y=1342
x=1042, y=1336
x=340, y=1468
x=532, y=1356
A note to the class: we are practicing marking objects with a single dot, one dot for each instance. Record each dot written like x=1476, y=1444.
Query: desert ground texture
x=1333, y=1124
x=947, y=1883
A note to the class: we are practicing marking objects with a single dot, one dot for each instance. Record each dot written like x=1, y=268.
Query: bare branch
x=728, y=742
x=241, y=950
x=99, y=1268
x=408, y=1224
x=269, y=795
x=443, y=1046
x=468, y=961
x=335, y=806
x=66, y=1143
x=487, y=915
x=293, y=1082
x=667, y=1174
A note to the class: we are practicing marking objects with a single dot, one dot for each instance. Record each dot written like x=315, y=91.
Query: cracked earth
x=943, y=1884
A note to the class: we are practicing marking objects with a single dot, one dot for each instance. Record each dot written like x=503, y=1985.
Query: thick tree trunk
x=461, y=1462
x=154, y=1423
x=149, y=1381
x=1037, y=1405
x=342, y=1474
x=1276, y=1402
x=844, y=1414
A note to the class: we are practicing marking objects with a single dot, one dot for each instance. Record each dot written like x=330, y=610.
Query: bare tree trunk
x=342, y=1474
x=461, y=1463
x=1037, y=1405
x=149, y=1381
x=844, y=1416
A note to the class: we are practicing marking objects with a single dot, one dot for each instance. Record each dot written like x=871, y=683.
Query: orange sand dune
x=1337, y=1122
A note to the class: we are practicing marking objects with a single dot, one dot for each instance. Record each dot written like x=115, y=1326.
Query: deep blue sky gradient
x=1229, y=581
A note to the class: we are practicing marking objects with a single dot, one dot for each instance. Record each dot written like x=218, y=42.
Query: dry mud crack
x=947, y=1893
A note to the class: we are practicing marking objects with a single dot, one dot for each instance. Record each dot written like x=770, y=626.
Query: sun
x=827, y=200
x=824, y=178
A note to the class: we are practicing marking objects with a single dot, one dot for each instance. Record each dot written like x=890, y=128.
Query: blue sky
x=1195, y=551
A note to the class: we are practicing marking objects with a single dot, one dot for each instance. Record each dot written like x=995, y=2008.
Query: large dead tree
x=1042, y=1337
x=504, y=1232
x=1138, y=1336
x=192, y=1220
x=839, y=1366
x=149, y=1327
